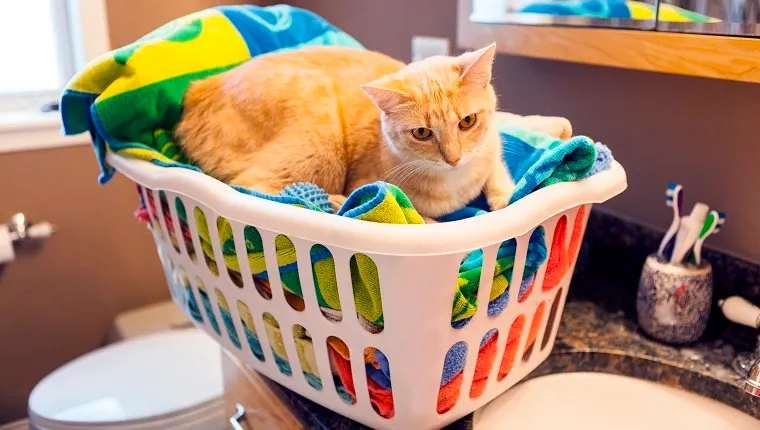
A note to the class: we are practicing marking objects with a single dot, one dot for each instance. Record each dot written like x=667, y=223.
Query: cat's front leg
x=499, y=186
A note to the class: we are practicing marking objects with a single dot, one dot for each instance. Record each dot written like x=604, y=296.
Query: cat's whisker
x=398, y=169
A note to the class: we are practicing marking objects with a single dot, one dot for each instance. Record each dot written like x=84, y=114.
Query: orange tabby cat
x=312, y=115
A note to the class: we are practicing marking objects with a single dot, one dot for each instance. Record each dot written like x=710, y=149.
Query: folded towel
x=616, y=9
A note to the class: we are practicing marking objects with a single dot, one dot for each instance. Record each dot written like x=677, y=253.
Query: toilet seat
x=168, y=380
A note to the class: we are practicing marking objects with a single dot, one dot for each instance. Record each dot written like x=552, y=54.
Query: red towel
x=449, y=393
x=381, y=398
x=535, y=326
x=486, y=357
x=561, y=256
x=510, y=351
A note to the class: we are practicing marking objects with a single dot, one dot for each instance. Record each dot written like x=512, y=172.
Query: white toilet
x=167, y=380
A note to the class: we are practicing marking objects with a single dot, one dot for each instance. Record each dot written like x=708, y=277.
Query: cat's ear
x=476, y=67
x=384, y=95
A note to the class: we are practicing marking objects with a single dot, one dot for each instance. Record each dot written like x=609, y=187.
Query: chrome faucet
x=741, y=311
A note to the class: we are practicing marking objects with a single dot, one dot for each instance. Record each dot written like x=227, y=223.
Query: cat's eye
x=422, y=133
x=468, y=121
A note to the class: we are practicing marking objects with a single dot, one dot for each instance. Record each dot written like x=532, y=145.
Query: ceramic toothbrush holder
x=674, y=300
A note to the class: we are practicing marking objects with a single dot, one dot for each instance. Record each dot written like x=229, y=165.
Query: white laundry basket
x=417, y=266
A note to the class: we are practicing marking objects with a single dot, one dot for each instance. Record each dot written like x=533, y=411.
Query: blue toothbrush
x=713, y=224
x=674, y=199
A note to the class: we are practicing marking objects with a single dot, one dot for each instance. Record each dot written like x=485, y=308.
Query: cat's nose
x=453, y=161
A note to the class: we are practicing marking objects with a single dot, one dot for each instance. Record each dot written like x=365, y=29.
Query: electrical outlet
x=424, y=46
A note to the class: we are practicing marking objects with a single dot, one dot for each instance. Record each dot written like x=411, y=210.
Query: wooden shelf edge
x=717, y=57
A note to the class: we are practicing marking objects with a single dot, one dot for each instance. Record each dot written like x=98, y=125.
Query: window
x=42, y=45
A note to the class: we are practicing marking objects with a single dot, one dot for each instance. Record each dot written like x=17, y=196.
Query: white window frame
x=85, y=25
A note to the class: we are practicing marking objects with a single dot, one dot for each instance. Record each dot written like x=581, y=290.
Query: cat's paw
x=554, y=126
x=337, y=201
x=498, y=201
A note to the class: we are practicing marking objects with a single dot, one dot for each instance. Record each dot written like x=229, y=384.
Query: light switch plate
x=425, y=46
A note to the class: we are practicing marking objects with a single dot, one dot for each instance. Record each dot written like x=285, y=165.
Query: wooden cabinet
x=261, y=398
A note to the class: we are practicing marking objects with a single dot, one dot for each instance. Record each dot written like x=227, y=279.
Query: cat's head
x=438, y=110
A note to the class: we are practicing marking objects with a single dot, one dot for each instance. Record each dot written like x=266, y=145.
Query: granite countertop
x=594, y=339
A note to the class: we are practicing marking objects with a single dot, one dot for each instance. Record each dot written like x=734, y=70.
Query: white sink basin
x=596, y=401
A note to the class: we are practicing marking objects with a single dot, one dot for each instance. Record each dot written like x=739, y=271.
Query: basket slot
x=150, y=201
x=207, y=306
x=324, y=365
x=262, y=336
x=252, y=335
x=309, y=283
x=249, y=246
x=489, y=284
x=270, y=261
x=345, y=289
x=487, y=352
x=305, y=350
x=552, y=321
x=216, y=249
x=168, y=267
x=581, y=215
x=291, y=348
x=566, y=245
x=367, y=293
x=200, y=226
x=511, y=347
x=322, y=266
x=470, y=274
x=184, y=229
x=190, y=304
x=228, y=249
x=340, y=363
x=379, y=387
x=557, y=262
x=536, y=324
x=226, y=314
x=168, y=220
x=287, y=265
x=452, y=377
x=523, y=286
x=240, y=240
x=277, y=344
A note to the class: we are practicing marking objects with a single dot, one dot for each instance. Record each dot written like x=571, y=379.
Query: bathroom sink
x=596, y=401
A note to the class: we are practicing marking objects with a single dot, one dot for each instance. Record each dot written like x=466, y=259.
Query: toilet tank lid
x=137, y=379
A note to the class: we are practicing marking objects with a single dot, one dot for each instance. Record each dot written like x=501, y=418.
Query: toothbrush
x=688, y=231
x=674, y=199
x=712, y=225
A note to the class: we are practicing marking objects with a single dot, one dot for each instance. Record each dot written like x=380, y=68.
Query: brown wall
x=699, y=132
x=130, y=19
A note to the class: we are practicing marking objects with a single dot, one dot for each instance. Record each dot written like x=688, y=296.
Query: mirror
x=634, y=14
x=726, y=17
